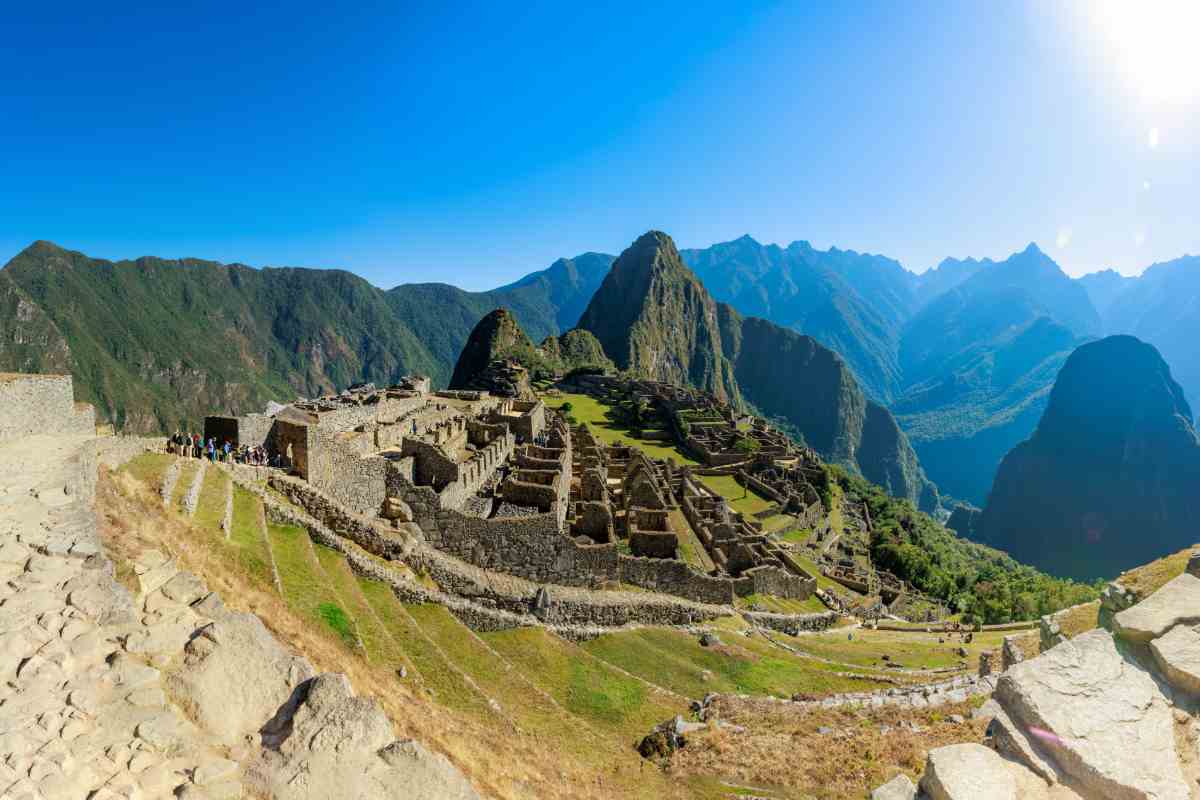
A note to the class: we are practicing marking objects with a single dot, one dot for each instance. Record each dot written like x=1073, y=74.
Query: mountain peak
x=1032, y=249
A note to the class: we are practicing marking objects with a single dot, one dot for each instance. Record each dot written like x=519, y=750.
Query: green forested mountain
x=156, y=343
x=979, y=361
x=656, y=319
x=1109, y=479
x=499, y=336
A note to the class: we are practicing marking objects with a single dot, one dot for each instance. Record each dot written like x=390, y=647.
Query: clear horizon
x=478, y=144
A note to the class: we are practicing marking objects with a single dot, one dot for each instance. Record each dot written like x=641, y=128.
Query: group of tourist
x=196, y=446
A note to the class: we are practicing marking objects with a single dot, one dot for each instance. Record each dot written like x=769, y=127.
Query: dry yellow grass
x=783, y=754
x=1147, y=579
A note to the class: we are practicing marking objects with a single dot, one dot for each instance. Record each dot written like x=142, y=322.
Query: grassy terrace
x=150, y=468
x=739, y=497
x=916, y=650
x=187, y=473
x=210, y=510
x=676, y=661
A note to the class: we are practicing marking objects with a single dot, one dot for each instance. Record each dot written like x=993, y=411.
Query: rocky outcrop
x=338, y=740
x=1103, y=715
x=1108, y=479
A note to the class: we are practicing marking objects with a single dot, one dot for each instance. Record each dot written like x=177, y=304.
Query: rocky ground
x=1110, y=714
x=162, y=691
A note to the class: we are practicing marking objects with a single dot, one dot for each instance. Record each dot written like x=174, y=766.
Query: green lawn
x=691, y=550
x=585, y=686
x=305, y=585
x=210, y=509
x=247, y=536
x=589, y=410
x=917, y=650
x=822, y=582
x=187, y=473
x=445, y=682
x=740, y=498
x=780, y=605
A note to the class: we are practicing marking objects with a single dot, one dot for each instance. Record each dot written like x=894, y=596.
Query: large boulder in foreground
x=1099, y=717
x=1178, y=656
x=341, y=745
x=237, y=680
x=974, y=772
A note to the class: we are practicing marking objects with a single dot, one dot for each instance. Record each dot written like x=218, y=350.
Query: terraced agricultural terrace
x=596, y=695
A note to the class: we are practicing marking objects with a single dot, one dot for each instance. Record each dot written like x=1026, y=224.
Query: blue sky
x=475, y=143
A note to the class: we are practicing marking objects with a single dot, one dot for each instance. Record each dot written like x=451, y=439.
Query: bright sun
x=1155, y=44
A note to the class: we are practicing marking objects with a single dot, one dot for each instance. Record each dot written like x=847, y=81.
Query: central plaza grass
x=740, y=498
x=586, y=409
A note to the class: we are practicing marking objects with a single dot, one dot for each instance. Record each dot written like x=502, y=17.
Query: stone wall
x=781, y=583
x=792, y=624
x=675, y=577
x=42, y=404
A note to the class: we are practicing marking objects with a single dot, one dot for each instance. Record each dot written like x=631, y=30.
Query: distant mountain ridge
x=155, y=344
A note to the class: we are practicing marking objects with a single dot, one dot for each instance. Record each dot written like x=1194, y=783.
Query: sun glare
x=1153, y=44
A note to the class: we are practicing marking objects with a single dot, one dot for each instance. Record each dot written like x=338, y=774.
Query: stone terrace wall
x=42, y=404
x=675, y=577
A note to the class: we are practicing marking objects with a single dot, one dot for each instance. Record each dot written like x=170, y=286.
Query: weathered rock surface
x=1178, y=655
x=236, y=676
x=900, y=787
x=1099, y=717
x=339, y=740
x=85, y=669
x=1176, y=603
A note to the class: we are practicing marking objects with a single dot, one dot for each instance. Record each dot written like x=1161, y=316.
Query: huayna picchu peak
x=656, y=320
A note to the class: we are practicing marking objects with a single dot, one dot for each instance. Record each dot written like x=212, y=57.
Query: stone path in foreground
x=94, y=679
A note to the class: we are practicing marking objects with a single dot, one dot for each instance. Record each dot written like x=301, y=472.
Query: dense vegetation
x=979, y=582
x=499, y=336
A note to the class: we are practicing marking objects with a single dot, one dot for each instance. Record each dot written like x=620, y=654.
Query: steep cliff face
x=1111, y=477
x=657, y=320
x=654, y=318
x=788, y=375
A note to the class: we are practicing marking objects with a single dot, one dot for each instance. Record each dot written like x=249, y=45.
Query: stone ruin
x=506, y=485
